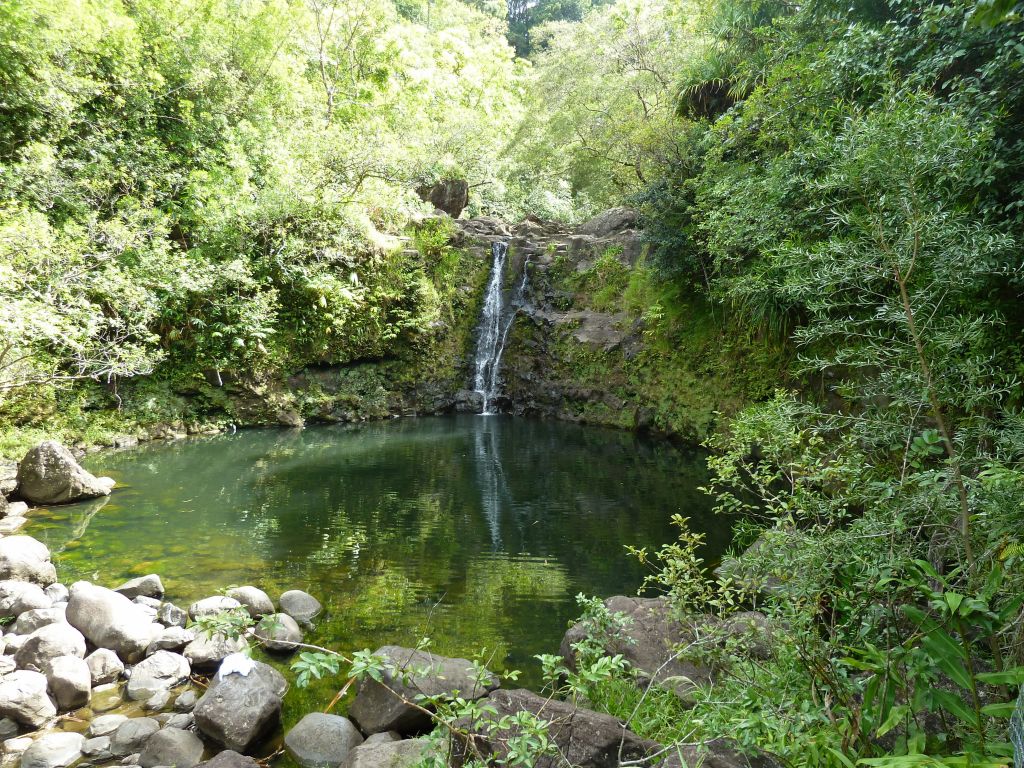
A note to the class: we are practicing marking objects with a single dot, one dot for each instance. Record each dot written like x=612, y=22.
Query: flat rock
x=211, y=606
x=157, y=674
x=54, y=750
x=18, y=597
x=172, y=746
x=23, y=698
x=104, y=666
x=279, y=632
x=143, y=586
x=47, y=643
x=23, y=558
x=49, y=474
x=301, y=606
x=70, y=682
x=12, y=524
x=254, y=600
x=322, y=741
x=131, y=736
x=111, y=620
x=389, y=754
x=104, y=725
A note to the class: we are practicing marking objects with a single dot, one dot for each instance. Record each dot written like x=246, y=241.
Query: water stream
x=494, y=330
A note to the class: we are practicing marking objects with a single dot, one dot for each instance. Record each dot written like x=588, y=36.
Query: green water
x=477, y=532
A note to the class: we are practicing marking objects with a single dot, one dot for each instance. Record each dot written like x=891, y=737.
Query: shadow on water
x=478, y=532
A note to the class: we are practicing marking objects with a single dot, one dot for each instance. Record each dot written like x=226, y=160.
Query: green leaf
x=1012, y=676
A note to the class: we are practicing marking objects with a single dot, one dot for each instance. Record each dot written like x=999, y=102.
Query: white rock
x=54, y=750
x=70, y=682
x=160, y=672
x=23, y=698
x=254, y=600
x=211, y=606
x=29, y=621
x=104, y=666
x=110, y=620
x=143, y=586
x=24, y=559
x=171, y=639
x=47, y=643
x=104, y=725
x=17, y=597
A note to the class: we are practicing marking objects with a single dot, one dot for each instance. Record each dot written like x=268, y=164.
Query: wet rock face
x=49, y=474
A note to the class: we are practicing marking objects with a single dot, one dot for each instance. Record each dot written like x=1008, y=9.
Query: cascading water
x=491, y=340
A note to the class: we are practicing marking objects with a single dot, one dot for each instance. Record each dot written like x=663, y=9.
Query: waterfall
x=491, y=341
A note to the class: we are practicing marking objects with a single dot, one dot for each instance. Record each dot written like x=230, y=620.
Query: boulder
x=610, y=222
x=230, y=759
x=104, y=725
x=23, y=698
x=185, y=702
x=54, y=750
x=171, y=639
x=111, y=620
x=265, y=674
x=254, y=600
x=8, y=477
x=7, y=665
x=70, y=682
x=57, y=592
x=322, y=741
x=211, y=606
x=301, y=606
x=383, y=737
x=448, y=195
x=171, y=615
x=97, y=749
x=22, y=558
x=143, y=586
x=47, y=643
x=131, y=736
x=390, y=754
x=183, y=720
x=239, y=710
x=412, y=674
x=29, y=621
x=12, y=644
x=172, y=746
x=13, y=749
x=17, y=597
x=8, y=729
x=12, y=523
x=583, y=739
x=104, y=666
x=206, y=652
x=157, y=674
x=157, y=703
x=49, y=474
x=279, y=632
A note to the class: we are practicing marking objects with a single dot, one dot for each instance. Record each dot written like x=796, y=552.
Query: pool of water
x=475, y=531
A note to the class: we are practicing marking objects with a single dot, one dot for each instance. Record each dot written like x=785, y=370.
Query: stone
x=17, y=509
x=238, y=711
x=171, y=615
x=107, y=697
x=131, y=736
x=208, y=651
x=279, y=632
x=8, y=477
x=383, y=737
x=609, y=222
x=8, y=729
x=717, y=753
x=143, y=586
x=12, y=524
x=29, y=621
x=172, y=746
x=157, y=702
x=376, y=708
x=57, y=592
x=583, y=739
x=13, y=643
x=183, y=720
x=171, y=639
x=322, y=741
x=54, y=750
x=448, y=195
x=97, y=749
x=7, y=665
x=254, y=600
x=104, y=666
x=111, y=620
x=47, y=643
x=301, y=606
x=17, y=597
x=23, y=558
x=211, y=606
x=230, y=759
x=264, y=674
x=389, y=754
x=148, y=602
x=14, y=749
x=186, y=701
x=49, y=474
x=70, y=682
x=157, y=674
x=104, y=725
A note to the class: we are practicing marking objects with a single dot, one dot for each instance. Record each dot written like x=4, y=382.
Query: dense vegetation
x=207, y=188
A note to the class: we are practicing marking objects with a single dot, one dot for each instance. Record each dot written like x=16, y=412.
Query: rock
x=230, y=759
x=254, y=600
x=279, y=632
x=133, y=760
x=584, y=739
x=57, y=592
x=17, y=509
x=22, y=558
x=157, y=702
x=182, y=720
x=12, y=524
x=49, y=474
x=148, y=602
x=648, y=642
x=143, y=586
x=208, y=651
x=383, y=738
x=17, y=597
x=54, y=750
x=8, y=729
x=171, y=639
x=7, y=665
x=121, y=442
x=389, y=754
x=14, y=749
x=718, y=753
x=171, y=615
x=157, y=674
x=69, y=682
x=107, y=697
x=377, y=709
x=760, y=569
x=301, y=606
x=185, y=702
x=609, y=222
x=8, y=477
x=265, y=674
x=448, y=195
x=29, y=621
x=97, y=749
x=132, y=735
x=47, y=643
x=104, y=666
x=111, y=620
x=322, y=741
x=238, y=711
x=211, y=606
x=172, y=746
x=13, y=643
x=104, y=725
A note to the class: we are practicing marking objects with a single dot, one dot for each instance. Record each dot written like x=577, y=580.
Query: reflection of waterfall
x=494, y=491
x=85, y=512
x=493, y=332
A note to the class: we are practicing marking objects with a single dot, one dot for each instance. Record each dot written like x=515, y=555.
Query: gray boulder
x=182, y=720
x=206, y=652
x=412, y=674
x=172, y=746
x=47, y=643
x=49, y=474
x=29, y=621
x=322, y=741
x=111, y=620
x=157, y=674
x=211, y=606
x=17, y=597
x=389, y=754
x=279, y=632
x=171, y=615
x=186, y=701
x=157, y=703
x=230, y=759
x=8, y=477
x=254, y=600
x=57, y=592
x=238, y=711
x=22, y=558
x=7, y=665
x=171, y=639
x=54, y=750
x=104, y=725
x=13, y=643
x=143, y=586
x=383, y=737
x=97, y=749
x=609, y=222
x=448, y=195
x=301, y=606
x=23, y=698
x=70, y=682
x=262, y=673
x=104, y=666
x=131, y=736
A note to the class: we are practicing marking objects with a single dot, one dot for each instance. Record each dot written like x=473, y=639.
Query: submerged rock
x=255, y=601
x=322, y=741
x=49, y=474
x=301, y=606
x=111, y=620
